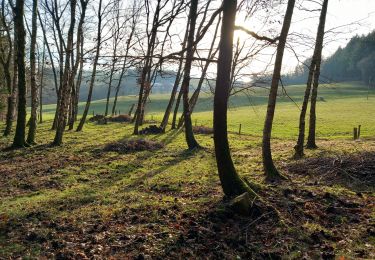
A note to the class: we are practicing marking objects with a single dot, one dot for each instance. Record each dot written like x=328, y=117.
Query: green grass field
x=80, y=201
x=345, y=106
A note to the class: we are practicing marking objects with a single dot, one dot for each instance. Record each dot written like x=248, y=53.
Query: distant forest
x=355, y=62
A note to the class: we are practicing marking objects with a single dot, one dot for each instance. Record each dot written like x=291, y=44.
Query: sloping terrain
x=83, y=200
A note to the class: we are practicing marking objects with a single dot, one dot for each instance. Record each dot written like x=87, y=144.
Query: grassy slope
x=345, y=106
x=77, y=200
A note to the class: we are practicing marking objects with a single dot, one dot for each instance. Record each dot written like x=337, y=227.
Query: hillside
x=355, y=61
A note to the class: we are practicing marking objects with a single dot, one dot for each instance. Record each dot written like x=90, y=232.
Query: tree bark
x=269, y=167
x=231, y=182
x=34, y=86
x=311, y=144
x=20, y=42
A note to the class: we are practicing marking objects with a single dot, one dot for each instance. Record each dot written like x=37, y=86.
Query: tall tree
x=268, y=164
x=33, y=84
x=317, y=56
x=167, y=112
x=95, y=64
x=189, y=135
x=42, y=83
x=6, y=57
x=65, y=88
x=314, y=93
x=75, y=86
x=20, y=42
x=116, y=28
x=231, y=182
x=134, y=18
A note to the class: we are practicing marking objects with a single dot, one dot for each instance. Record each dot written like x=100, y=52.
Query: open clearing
x=85, y=200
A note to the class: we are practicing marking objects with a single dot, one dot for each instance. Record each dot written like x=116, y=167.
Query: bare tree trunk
x=12, y=109
x=34, y=86
x=144, y=83
x=314, y=71
x=269, y=167
x=10, y=103
x=78, y=63
x=53, y=69
x=20, y=41
x=189, y=135
x=65, y=87
x=135, y=17
x=41, y=85
x=164, y=122
x=93, y=75
x=176, y=108
x=78, y=84
x=194, y=97
x=231, y=182
x=6, y=58
x=311, y=144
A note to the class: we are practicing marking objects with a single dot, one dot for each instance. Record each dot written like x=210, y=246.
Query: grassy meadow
x=81, y=201
x=341, y=107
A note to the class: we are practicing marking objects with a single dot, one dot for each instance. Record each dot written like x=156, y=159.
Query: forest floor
x=97, y=198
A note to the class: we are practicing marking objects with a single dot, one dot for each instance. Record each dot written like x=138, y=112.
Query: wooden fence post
x=355, y=133
x=239, y=130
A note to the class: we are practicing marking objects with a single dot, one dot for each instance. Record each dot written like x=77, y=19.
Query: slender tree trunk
x=93, y=75
x=231, y=182
x=65, y=87
x=52, y=66
x=269, y=167
x=311, y=144
x=10, y=103
x=144, y=83
x=110, y=80
x=301, y=128
x=168, y=110
x=314, y=71
x=78, y=64
x=33, y=84
x=176, y=108
x=12, y=99
x=78, y=85
x=41, y=98
x=41, y=84
x=189, y=135
x=5, y=59
x=20, y=42
x=194, y=98
x=58, y=91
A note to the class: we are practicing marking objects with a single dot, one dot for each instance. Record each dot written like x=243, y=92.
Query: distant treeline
x=354, y=62
x=129, y=85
